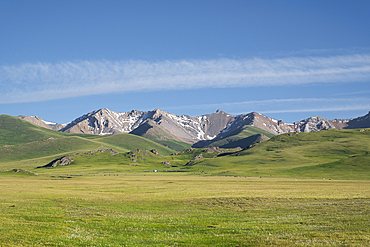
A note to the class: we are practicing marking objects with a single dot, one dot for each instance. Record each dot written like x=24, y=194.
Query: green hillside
x=323, y=154
x=138, y=160
x=329, y=154
x=134, y=162
x=356, y=166
x=243, y=137
x=14, y=131
x=43, y=148
x=20, y=140
x=130, y=142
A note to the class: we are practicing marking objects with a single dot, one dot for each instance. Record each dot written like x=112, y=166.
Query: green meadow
x=306, y=189
x=176, y=210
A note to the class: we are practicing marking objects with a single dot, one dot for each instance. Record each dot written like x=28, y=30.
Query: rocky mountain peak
x=220, y=112
x=157, y=113
x=214, y=126
x=313, y=124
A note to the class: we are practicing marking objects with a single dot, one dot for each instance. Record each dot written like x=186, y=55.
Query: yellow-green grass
x=47, y=147
x=341, y=154
x=175, y=145
x=262, y=160
x=130, y=142
x=24, y=143
x=170, y=210
x=14, y=131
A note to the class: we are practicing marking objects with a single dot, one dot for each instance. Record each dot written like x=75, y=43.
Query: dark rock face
x=63, y=161
x=360, y=122
x=154, y=151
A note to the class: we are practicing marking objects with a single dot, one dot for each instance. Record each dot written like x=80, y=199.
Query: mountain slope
x=130, y=142
x=40, y=122
x=20, y=140
x=336, y=154
x=326, y=154
x=329, y=154
x=14, y=131
x=153, y=131
x=360, y=122
x=170, y=129
x=105, y=122
x=242, y=137
x=178, y=132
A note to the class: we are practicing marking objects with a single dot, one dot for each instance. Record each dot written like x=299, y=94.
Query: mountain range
x=178, y=132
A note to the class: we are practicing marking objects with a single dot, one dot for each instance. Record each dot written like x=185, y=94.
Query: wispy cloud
x=290, y=105
x=270, y=102
x=44, y=81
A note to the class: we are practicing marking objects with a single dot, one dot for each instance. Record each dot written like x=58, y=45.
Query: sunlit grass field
x=176, y=210
x=306, y=189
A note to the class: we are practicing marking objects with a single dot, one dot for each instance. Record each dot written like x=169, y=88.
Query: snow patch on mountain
x=213, y=126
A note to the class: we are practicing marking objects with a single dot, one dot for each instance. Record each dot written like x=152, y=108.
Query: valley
x=288, y=189
x=247, y=151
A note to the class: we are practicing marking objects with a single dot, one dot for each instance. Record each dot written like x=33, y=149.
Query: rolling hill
x=323, y=154
x=330, y=154
x=20, y=140
x=241, y=137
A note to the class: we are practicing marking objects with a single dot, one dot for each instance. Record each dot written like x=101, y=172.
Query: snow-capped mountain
x=188, y=129
x=106, y=122
x=181, y=128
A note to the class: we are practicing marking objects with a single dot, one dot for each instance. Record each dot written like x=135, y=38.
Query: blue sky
x=286, y=59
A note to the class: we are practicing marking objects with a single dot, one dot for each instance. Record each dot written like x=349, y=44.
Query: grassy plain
x=173, y=210
x=293, y=190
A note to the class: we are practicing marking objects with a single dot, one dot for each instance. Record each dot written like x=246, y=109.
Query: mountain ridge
x=199, y=131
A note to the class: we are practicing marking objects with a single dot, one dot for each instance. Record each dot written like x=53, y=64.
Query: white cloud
x=45, y=81
x=275, y=102
x=290, y=105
